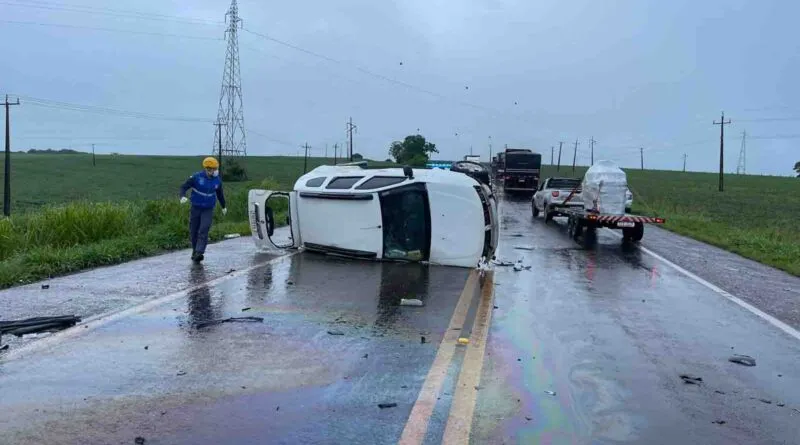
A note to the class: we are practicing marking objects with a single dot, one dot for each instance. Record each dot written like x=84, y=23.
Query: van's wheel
x=534, y=209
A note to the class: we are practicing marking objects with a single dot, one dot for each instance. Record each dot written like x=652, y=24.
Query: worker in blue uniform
x=206, y=187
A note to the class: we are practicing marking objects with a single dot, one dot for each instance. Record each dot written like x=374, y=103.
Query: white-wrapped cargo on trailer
x=604, y=189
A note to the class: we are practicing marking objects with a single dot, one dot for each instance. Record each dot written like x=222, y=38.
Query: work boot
x=198, y=257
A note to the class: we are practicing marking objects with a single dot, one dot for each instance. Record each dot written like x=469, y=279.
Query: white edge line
x=91, y=323
x=758, y=312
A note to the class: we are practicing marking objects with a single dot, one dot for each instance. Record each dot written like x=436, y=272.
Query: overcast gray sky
x=528, y=73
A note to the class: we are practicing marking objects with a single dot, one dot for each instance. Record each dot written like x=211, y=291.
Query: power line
x=122, y=13
x=124, y=31
x=46, y=103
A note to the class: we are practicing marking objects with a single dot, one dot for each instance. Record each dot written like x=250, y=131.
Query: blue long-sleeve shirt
x=205, y=190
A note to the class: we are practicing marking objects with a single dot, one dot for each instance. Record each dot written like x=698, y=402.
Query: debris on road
x=139, y=441
x=45, y=286
x=781, y=404
x=528, y=418
x=691, y=379
x=365, y=356
x=518, y=266
x=3, y=348
x=245, y=309
x=37, y=324
x=422, y=339
x=387, y=405
x=719, y=392
x=502, y=263
x=289, y=282
x=335, y=333
x=230, y=320
x=524, y=247
x=745, y=360
x=720, y=422
x=551, y=393
x=231, y=271
x=146, y=348
x=232, y=236
x=180, y=373
x=463, y=341
x=410, y=302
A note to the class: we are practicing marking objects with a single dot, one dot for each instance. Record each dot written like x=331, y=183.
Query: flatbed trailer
x=581, y=220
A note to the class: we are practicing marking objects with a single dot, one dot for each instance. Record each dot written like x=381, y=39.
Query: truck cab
x=396, y=214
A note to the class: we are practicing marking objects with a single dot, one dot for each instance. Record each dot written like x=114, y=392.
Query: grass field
x=68, y=215
x=756, y=216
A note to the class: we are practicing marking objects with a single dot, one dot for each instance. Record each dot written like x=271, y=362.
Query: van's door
x=269, y=212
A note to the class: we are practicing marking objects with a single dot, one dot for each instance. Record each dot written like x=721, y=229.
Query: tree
x=232, y=171
x=357, y=157
x=414, y=151
x=797, y=168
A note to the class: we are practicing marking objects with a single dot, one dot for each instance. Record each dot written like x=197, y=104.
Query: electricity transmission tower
x=231, y=114
x=741, y=167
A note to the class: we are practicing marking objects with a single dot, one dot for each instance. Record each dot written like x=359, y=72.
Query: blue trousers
x=199, y=225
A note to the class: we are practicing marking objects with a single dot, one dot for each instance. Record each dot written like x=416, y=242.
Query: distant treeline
x=50, y=151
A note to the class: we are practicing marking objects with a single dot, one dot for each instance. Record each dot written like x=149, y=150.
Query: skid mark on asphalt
x=747, y=306
x=100, y=320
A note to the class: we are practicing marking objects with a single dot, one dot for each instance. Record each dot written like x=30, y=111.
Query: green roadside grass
x=757, y=217
x=61, y=239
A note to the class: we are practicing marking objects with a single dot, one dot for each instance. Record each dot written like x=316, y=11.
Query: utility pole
x=335, y=152
x=490, y=149
x=7, y=184
x=219, y=144
x=641, y=155
x=552, y=152
x=722, y=125
x=684, y=162
x=592, y=141
x=326, y=151
x=560, y=143
x=350, y=128
x=94, y=163
x=574, y=156
x=741, y=167
x=305, y=158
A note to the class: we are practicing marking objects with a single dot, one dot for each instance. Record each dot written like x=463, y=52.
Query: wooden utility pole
x=94, y=162
x=490, y=149
x=335, y=152
x=305, y=158
x=641, y=155
x=574, y=156
x=592, y=141
x=684, y=162
x=552, y=150
x=7, y=182
x=560, y=143
x=722, y=125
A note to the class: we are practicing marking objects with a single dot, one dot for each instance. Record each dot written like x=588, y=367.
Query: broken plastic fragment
x=690, y=379
x=232, y=236
x=745, y=360
x=387, y=405
x=552, y=393
x=463, y=341
x=410, y=302
x=335, y=332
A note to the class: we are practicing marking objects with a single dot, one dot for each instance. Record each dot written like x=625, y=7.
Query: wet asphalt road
x=607, y=330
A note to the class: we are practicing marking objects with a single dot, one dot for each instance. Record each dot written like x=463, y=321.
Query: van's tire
x=534, y=210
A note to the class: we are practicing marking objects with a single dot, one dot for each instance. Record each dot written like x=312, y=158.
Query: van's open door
x=269, y=211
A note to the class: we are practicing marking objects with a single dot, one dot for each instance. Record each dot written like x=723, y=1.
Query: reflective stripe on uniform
x=194, y=190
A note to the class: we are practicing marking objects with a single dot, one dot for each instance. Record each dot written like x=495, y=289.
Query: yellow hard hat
x=210, y=162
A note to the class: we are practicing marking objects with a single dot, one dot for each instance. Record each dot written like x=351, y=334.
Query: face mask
x=215, y=173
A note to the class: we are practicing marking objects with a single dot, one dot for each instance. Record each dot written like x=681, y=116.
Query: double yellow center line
x=459, y=422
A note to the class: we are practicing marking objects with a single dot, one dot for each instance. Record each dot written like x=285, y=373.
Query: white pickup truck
x=550, y=198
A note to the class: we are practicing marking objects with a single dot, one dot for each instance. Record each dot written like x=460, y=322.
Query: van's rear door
x=269, y=211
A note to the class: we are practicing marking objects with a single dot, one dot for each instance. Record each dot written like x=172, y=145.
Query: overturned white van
x=401, y=214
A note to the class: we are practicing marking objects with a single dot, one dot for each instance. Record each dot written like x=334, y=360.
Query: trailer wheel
x=638, y=232
x=548, y=216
